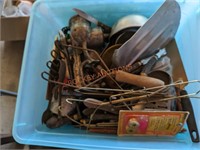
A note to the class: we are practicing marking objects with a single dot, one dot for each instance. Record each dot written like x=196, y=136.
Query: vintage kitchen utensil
x=53, y=73
x=79, y=28
x=191, y=121
x=129, y=23
x=150, y=64
x=49, y=117
x=164, y=64
x=107, y=106
x=65, y=108
x=54, y=121
x=47, y=114
x=170, y=91
x=122, y=100
x=64, y=50
x=160, y=97
x=185, y=101
x=162, y=75
x=154, y=34
x=125, y=91
x=56, y=73
x=108, y=53
x=109, y=79
x=59, y=73
x=180, y=74
x=125, y=36
x=96, y=39
x=148, y=67
x=86, y=93
x=125, y=28
x=81, y=13
x=150, y=90
x=146, y=70
x=122, y=76
x=138, y=80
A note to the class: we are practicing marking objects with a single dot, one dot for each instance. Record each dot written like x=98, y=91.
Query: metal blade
x=86, y=16
x=154, y=34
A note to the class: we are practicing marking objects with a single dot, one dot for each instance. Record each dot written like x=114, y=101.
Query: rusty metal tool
x=96, y=39
x=65, y=52
x=86, y=16
x=142, y=80
x=108, y=106
x=79, y=29
x=155, y=34
x=148, y=67
x=98, y=68
x=80, y=26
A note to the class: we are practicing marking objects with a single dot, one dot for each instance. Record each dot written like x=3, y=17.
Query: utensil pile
x=96, y=70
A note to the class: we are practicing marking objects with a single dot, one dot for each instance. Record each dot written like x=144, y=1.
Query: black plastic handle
x=191, y=122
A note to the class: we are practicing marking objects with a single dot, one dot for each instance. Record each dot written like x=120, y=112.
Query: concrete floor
x=11, y=57
x=10, y=64
x=11, y=54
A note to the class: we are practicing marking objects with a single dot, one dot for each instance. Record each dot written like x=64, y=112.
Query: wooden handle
x=138, y=80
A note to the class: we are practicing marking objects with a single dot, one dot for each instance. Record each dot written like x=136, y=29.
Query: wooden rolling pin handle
x=138, y=80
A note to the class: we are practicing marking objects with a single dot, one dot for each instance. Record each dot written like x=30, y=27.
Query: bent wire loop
x=149, y=94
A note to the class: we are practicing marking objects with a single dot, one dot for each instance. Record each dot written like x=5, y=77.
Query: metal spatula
x=180, y=74
x=154, y=34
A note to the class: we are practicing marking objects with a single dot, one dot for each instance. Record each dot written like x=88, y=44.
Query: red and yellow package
x=147, y=123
